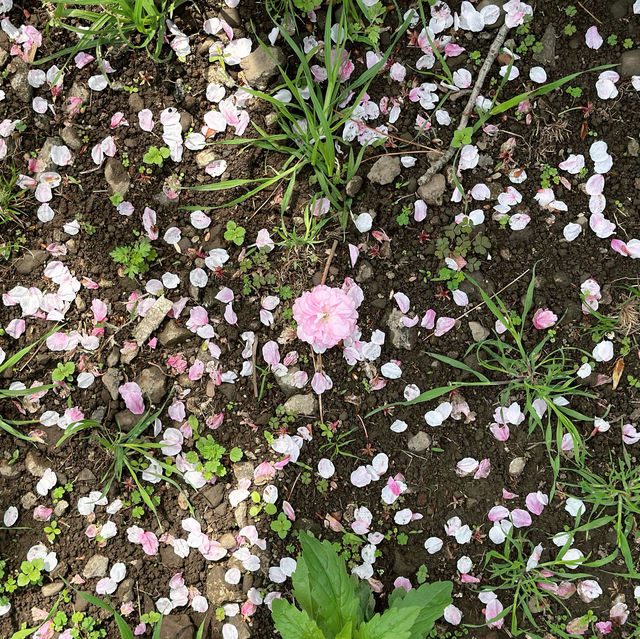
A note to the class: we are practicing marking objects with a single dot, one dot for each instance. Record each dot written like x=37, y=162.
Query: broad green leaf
x=292, y=623
x=430, y=600
x=332, y=591
x=394, y=623
x=123, y=627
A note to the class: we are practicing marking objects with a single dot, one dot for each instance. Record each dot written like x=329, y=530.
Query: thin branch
x=468, y=110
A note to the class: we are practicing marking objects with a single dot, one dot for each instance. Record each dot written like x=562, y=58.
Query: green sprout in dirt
x=531, y=372
x=259, y=505
x=209, y=457
x=628, y=43
x=612, y=40
x=312, y=226
x=569, y=29
x=63, y=372
x=11, y=198
x=623, y=321
x=574, y=92
x=403, y=217
x=281, y=526
x=234, y=233
x=124, y=449
x=156, y=155
x=31, y=573
x=52, y=531
x=136, y=259
x=333, y=603
x=136, y=24
x=614, y=497
x=336, y=442
x=549, y=175
x=59, y=491
x=116, y=199
x=462, y=240
x=312, y=144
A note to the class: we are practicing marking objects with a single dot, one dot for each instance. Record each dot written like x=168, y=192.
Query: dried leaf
x=618, y=368
x=584, y=130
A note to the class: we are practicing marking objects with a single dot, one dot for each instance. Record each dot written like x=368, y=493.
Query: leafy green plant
x=309, y=127
x=234, y=233
x=136, y=259
x=463, y=240
x=63, y=372
x=574, y=92
x=569, y=29
x=259, y=505
x=137, y=24
x=570, y=11
x=9, y=425
x=612, y=40
x=31, y=572
x=281, y=526
x=52, y=531
x=209, y=458
x=156, y=155
x=334, y=605
x=403, y=217
x=124, y=449
x=12, y=199
x=534, y=584
x=627, y=43
x=336, y=442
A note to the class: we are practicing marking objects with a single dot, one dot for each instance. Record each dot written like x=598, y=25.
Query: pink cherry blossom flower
x=325, y=316
x=544, y=318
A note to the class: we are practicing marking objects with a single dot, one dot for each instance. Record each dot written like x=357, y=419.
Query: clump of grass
x=11, y=198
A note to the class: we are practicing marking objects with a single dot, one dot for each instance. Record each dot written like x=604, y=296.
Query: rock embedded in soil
x=214, y=494
x=96, y=566
x=35, y=464
x=204, y=157
x=385, y=170
x=240, y=625
x=633, y=147
x=218, y=591
x=174, y=334
x=127, y=420
x=262, y=65
x=231, y=16
x=20, y=86
x=517, y=466
x=365, y=272
x=244, y=470
x=401, y=336
x=420, y=442
x=111, y=381
x=153, y=383
x=353, y=186
x=61, y=508
x=31, y=260
x=629, y=63
x=48, y=590
x=620, y=9
x=28, y=500
x=177, y=627
x=432, y=192
x=152, y=320
x=116, y=176
x=71, y=138
x=301, y=404
x=286, y=381
x=547, y=56
x=478, y=332
x=10, y=471
x=217, y=75
x=77, y=91
x=44, y=156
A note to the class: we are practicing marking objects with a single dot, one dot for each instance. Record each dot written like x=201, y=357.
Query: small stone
x=81, y=305
x=353, y=186
x=136, y=103
x=243, y=470
x=478, y=332
x=174, y=334
x=629, y=63
x=10, y=471
x=177, y=627
x=261, y=65
x=547, y=56
x=218, y=590
x=28, y=501
x=385, y=170
x=111, y=381
x=129, y=355
x=186, y=121
x=95, y=567
x=116, y=176
x=35, y=464
x=301, y=404
x=620, y=9
x=113, y=357
x=30, y=261
x=432, y=192
x=633, y=147
x=365, y=272
x=401, y=336
x=241, y=626
x=286, y=381
x=77, y=91
x=125, y=590
x=86, y=475
x=227, y=541
x=127, y=420
x=61, y=508
x=153, y=383
x=48, y=590
x=71, y=138
x=214, y=494
x=231, y=16
x=152, y=320
x=218, y=75
x=420, y=442
x=205, y=157
x=517, y=466
x=20, y=86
